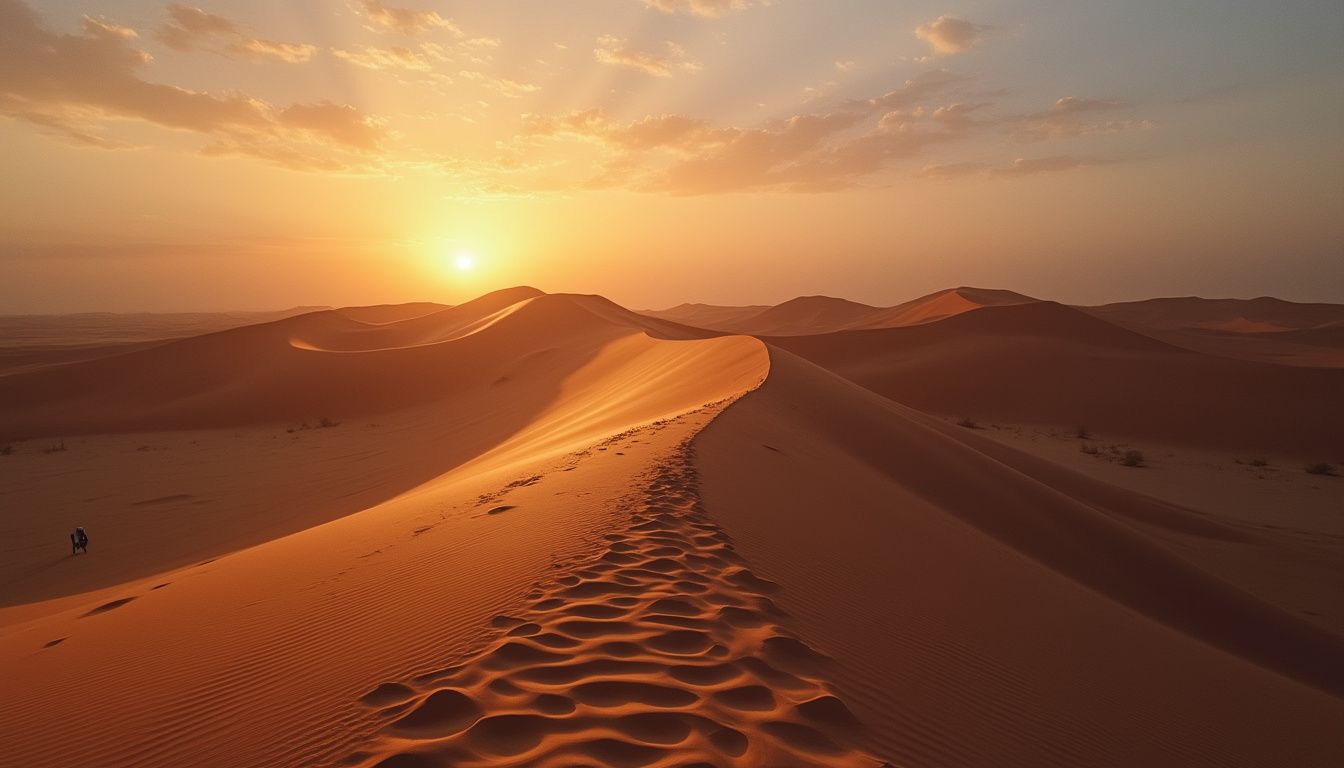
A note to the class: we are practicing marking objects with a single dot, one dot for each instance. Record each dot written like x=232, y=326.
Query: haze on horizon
x=208, y=155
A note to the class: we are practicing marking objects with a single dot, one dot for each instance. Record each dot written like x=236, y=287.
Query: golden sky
x=262, y=155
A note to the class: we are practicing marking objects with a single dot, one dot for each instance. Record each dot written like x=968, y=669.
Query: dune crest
x=954, y=582
x=660, y=646
x=543, y=530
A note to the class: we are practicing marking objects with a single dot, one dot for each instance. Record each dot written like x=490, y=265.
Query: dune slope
x=1263, y=329
x=980, y=616
x=547, y=531
x=1047, y=363
x=274, y=654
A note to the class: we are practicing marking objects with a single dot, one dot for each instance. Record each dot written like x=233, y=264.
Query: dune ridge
x=660, y=649
x=954, y=583
x=273, y=645
x=1263, y=329
x=808, y=315
x=578, y=535
x=1048, y=363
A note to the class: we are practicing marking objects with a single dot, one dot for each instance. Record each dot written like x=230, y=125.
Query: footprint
x=105, y=607
x=442, y=713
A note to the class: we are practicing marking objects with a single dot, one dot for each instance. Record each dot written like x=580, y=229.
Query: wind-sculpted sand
x=542, y=530
x=660, y=648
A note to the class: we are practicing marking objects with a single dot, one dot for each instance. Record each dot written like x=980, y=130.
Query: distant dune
x=945, y=582
x=1048, y=363
x=1265, y=329
x=809, y=315
x=543, y=530
x=707, y=315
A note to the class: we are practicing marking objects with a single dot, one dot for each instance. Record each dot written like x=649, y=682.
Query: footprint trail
x=661, y=650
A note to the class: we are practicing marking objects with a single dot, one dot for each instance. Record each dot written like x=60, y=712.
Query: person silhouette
x=79, y=540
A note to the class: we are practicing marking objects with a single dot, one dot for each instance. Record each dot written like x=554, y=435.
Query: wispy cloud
x=1071, y=116
x=703, y=8
x=1023, y=166
x=71, y=83
x=188, y=28
x=805, y=152
x=661, y=62
x=421, y=58
x=949, y=34
x=406, y=21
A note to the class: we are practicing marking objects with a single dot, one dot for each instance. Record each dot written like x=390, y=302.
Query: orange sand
x=542, y=530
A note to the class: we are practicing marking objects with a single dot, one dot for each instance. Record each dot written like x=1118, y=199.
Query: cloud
x=660, y=63
x=406, y=21
x=189, y=28
x=69, y=82
x=806, y=152
x=954, y=170
x=703, y=8
x=422, y=58
x=502, y=85
x=290, y=53
x=675, y=132
x=1072, y=117
x=950, y=35
x=1030, y=166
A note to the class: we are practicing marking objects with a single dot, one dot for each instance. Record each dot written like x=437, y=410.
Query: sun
x=464, y=261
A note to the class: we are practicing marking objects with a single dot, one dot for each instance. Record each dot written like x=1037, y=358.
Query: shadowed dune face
x=326, y=614
x=402, y=414
x=809, y=315
x=952, y=583
x=1047, y=363
x=1264, y=329
x=542, y=530
x=659, y=648
x=319, y=365
x=707, y=315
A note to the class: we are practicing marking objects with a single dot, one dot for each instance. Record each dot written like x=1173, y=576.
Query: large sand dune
x=541, y=530
x=1048, y=363
x=1264, y=329
x=807, y=315
x=945, y=581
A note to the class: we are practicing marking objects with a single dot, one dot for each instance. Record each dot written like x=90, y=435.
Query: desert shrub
x=1320, y=468
x=1082, y=433
x=1132, y=459
x=326, y=423
x=968, y=423
x=1259, y=463
x=55, y=448
x=6, y=450
x=1089, y=449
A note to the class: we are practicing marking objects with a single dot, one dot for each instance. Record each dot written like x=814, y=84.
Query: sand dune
x=1047, y=363
x=1264, y=329
x=945, y=583
x=804, y=315
x=323, y=615
x=942, y=304
x=809, y=315
x=317, y=365
x=706, y=315
x=543, y=530
x=33, y=341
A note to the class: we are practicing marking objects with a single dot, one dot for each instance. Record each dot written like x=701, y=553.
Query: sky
x=252, y=155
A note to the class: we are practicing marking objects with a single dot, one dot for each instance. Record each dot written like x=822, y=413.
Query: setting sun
x=464, y=261
x=733, y=383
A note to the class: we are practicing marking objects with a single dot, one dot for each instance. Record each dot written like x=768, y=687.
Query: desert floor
x=543, y=530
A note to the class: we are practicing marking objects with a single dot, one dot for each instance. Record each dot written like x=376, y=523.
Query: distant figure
x=79, y=540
